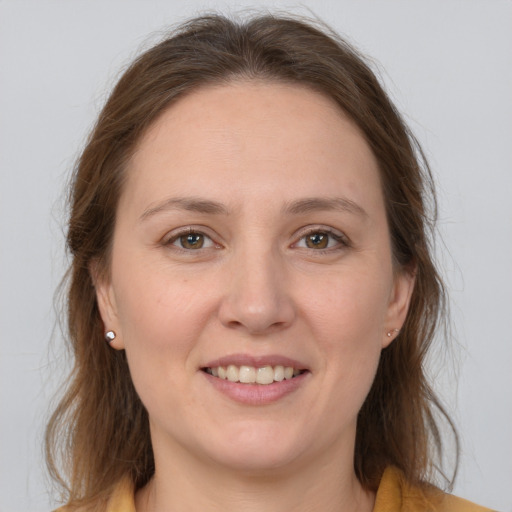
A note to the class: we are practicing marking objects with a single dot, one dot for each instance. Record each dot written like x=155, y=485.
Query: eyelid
x=339, y=236
x=173, y=235
x=342, y=240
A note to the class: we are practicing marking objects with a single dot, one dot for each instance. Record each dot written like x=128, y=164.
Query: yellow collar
x=395, y=494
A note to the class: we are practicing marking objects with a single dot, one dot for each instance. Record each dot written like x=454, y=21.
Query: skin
x=255, y=287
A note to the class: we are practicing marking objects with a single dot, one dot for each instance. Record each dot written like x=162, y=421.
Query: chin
x=251, y=462
x=251, y=448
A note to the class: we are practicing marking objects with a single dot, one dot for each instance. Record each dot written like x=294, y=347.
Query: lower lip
x=256, y=394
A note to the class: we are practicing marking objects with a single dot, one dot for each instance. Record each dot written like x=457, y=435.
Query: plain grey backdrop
x=448, y=66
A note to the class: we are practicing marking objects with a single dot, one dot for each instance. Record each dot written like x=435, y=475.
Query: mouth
x=263, y=375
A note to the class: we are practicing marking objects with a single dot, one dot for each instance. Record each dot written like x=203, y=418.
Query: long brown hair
x=100, y=428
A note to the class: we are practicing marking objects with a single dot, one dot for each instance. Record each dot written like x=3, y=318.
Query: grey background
x=447, y=64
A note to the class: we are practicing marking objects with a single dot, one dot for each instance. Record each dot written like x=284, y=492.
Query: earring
x=110, y=336
x=394, y=331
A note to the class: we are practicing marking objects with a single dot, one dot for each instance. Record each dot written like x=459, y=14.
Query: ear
x=399, y=300
x=106, y=303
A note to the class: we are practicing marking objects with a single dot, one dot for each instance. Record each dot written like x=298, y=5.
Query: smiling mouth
x=254, y=375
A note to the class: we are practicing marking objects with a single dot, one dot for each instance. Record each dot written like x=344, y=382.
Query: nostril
x=255, y=328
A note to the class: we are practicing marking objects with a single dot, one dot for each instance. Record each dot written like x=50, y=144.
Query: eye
x=319, y=239
x=191, y=240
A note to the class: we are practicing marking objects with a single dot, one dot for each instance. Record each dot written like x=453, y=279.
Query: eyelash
x=340, y=239
x=188, y=231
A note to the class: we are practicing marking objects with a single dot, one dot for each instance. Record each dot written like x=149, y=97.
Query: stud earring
x=394, y=331
x=110, y=336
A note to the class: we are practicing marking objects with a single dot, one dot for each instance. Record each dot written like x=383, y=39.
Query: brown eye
x=191, y=241
x=322, y=239
x=317, y=240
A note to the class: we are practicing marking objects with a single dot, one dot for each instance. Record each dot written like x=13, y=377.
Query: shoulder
x=395, y=494
x=121, y=499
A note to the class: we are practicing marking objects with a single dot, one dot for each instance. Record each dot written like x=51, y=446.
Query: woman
x=252, y=294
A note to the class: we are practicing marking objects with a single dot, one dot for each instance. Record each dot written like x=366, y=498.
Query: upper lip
x=255, y=361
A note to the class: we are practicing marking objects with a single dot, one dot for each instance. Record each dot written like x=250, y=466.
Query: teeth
x=232, y=373
x=265, y=375
x=252, y=375
x=279, y=373
x=247, y=374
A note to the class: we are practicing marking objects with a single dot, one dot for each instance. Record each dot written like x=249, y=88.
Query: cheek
x=155, y=302
x=347, y=315
x=160, y=317
x=350, y=306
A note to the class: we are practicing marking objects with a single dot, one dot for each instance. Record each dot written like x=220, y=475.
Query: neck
x=197, y=486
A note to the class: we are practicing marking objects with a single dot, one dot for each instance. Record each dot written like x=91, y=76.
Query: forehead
x=253, y=136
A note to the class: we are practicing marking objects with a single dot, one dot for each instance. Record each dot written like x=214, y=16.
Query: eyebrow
x=298, y=207
x=315, y=204
x=190, y=204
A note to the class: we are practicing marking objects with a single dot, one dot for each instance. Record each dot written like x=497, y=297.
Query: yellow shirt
x=393, y=495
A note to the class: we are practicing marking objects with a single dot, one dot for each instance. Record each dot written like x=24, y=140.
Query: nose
x=257, y=300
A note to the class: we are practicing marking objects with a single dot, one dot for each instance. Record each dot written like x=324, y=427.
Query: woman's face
x=251, y=238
